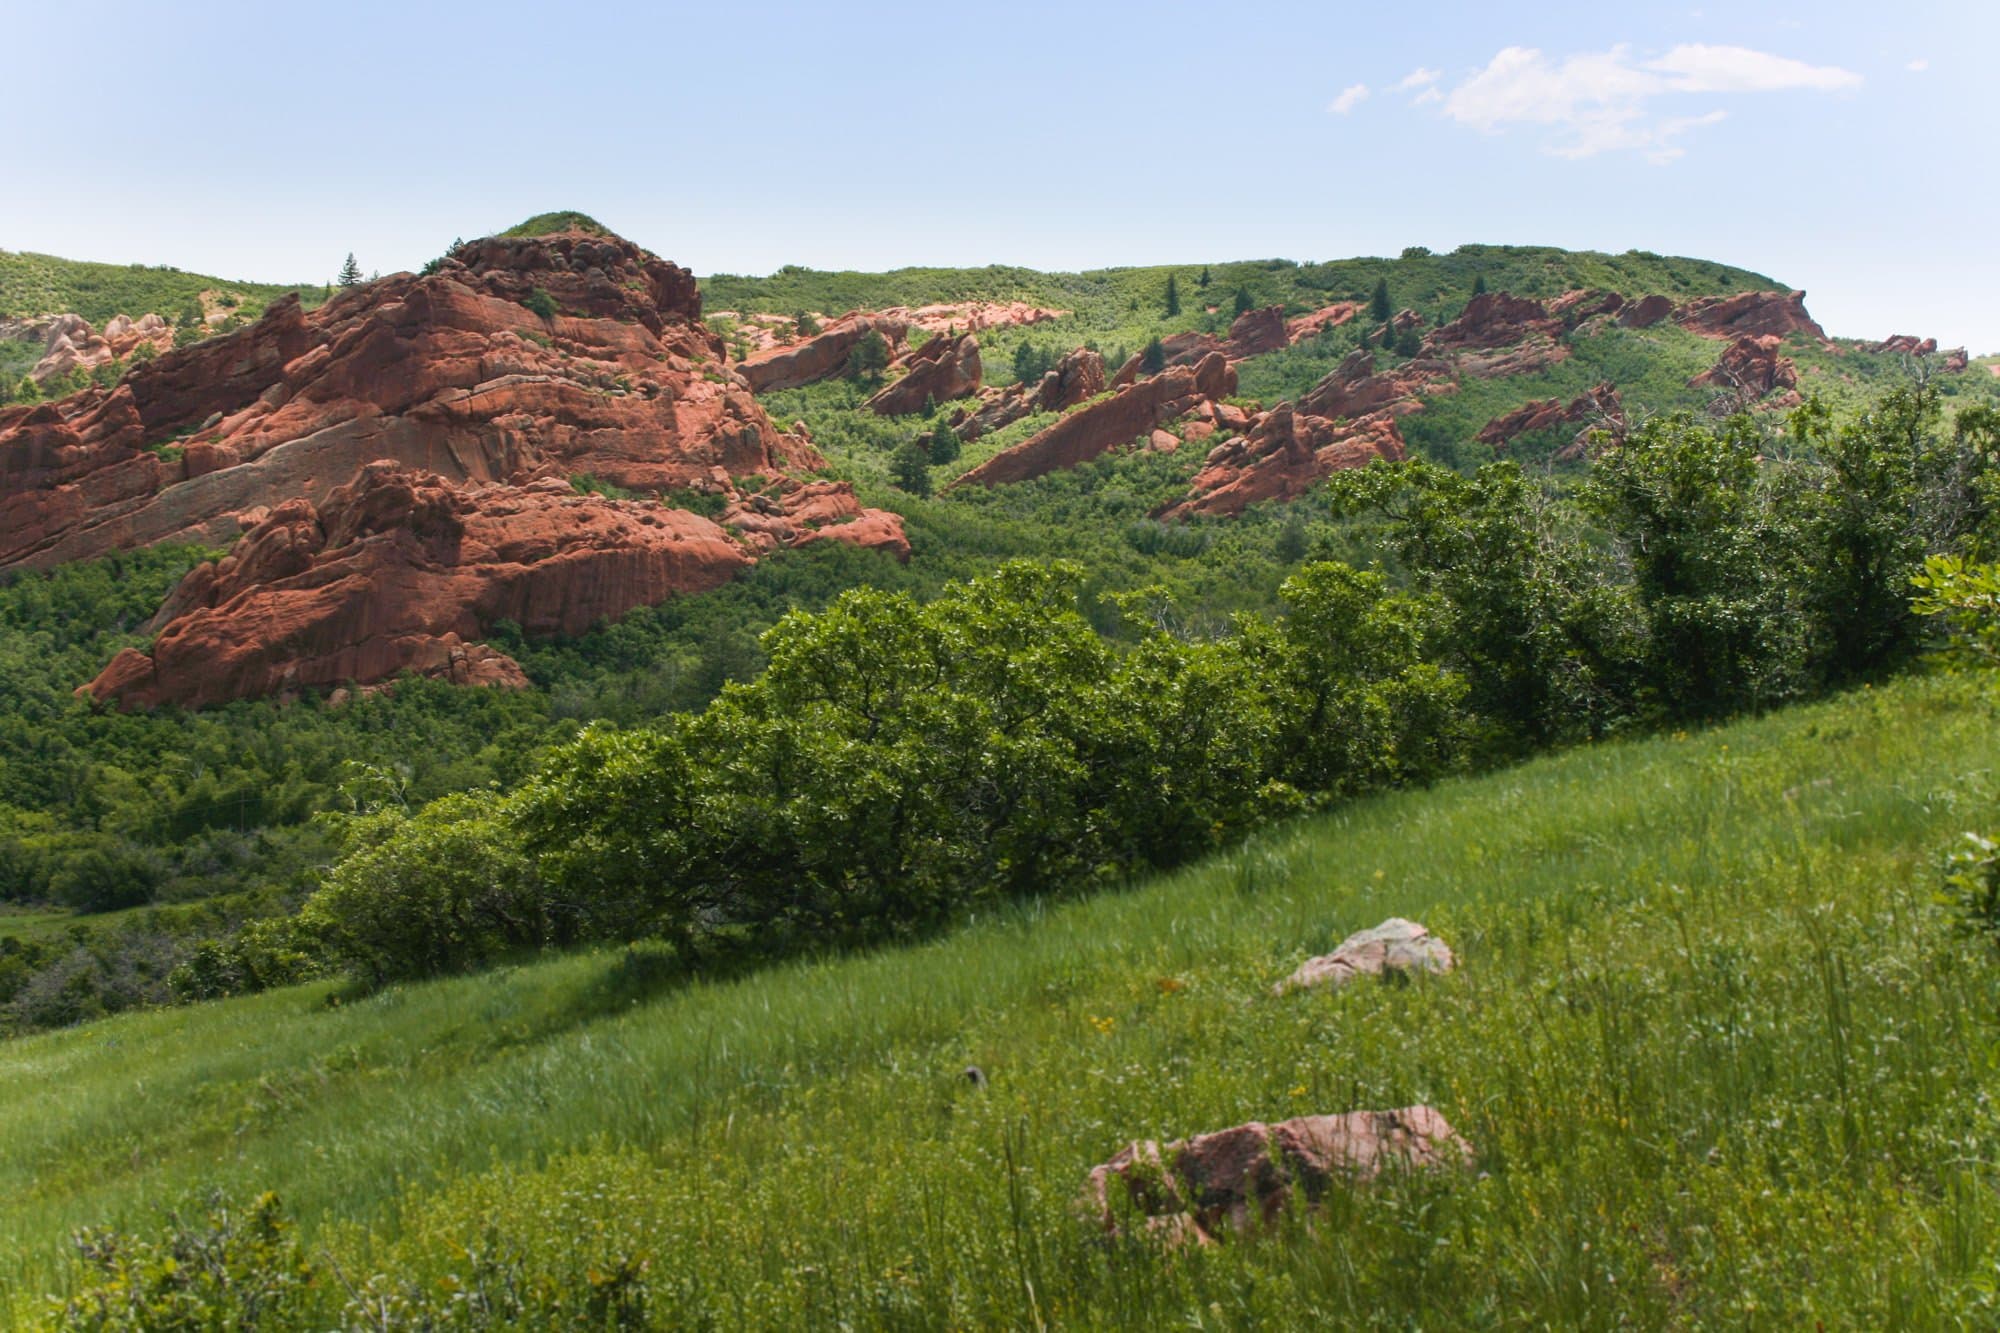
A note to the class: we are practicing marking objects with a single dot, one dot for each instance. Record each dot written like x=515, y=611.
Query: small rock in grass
x=1394, y=946
x=1189, y=1189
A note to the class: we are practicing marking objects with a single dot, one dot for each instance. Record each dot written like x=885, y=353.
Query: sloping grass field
x=1724, y=1058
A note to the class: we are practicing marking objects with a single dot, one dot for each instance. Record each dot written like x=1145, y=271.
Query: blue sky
x=1841, y=147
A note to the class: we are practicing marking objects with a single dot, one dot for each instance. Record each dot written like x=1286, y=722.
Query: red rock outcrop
x=403, y=571
x=942, y=369
x=1285, y=454
x=971, y=316
x=1645, y=312
x=1176, y=349
x=1499, y=334
x=517, y=365
x=1749, y=314
x=1574, y=307
x=1256, y=332
x=1957, y=361
x=1752, y=366
x=1599, y=408
x=1096, y=428
x=819, y=358
x=69, y=343
x=448, y=373
x=1904, y=344
x=1075, y=378
x=1301, y=327
x=1246, y=1175
x=1347, y=420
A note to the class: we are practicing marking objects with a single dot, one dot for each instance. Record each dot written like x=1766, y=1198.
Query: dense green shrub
x=233, y=1268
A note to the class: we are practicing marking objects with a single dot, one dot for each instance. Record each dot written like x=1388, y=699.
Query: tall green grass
x=1724, y=1059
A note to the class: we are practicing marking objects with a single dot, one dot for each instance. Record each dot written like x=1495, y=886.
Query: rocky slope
x=477, y=393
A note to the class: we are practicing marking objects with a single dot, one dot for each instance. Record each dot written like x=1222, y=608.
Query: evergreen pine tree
x=910, y=469
x=1204, y=279
x=1479, y=284
x=944, y=446
x=1244, y=302
x=1173, y=297
x=350, y=272
x=1154, y=359
x=1379, y=307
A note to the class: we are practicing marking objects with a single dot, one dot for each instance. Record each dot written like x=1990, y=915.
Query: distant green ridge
x=36, y=284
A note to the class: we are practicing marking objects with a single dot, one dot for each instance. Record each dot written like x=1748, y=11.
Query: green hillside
x=34, y=284
x=1724, y=1057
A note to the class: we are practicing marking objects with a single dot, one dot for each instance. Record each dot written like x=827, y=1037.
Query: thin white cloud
x=1350, y=97
x=1918, y=66
x=1419, y=78
x=1609, y=101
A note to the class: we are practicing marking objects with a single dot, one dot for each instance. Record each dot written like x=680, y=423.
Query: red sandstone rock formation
x=1905, y=344
x=1752, y=366
x=1256, y=332
x=1645, y=312
x=818, y=358
x=1599, y=408
x=1077, y=377
x=1245, y=1175
x=1749, y=314
x=1301, y=327
x=1574, y=307
x=942, y=369
x=971, y=316
x=1096, y=428
x=451, y=374
x=1285, y=454
x=402, y=571
x=1499, y=334
x=69, y=343
x=1346, y=420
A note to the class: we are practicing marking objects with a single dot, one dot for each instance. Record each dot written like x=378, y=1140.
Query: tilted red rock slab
x=1749, y=314
x=941, y=370
x=398, y=569
x=1107, y=423
x=447, y=373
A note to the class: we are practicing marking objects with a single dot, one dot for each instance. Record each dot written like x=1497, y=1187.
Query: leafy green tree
x=1173, y=297
x=350, y=273
x=1380, y=308
x=1713, y=566
x=805, y=325
x=442, y=890
x=910, y=469
x=1356, y=702
x=542, y=304
x=1893, y=486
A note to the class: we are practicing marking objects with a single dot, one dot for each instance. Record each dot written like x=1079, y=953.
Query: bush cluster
x=897, y=761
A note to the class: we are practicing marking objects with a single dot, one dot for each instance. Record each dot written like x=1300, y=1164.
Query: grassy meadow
x=1724, y=1059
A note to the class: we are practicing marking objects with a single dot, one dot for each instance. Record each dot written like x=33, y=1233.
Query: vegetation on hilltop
x=33, y=284
x=547, y=224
